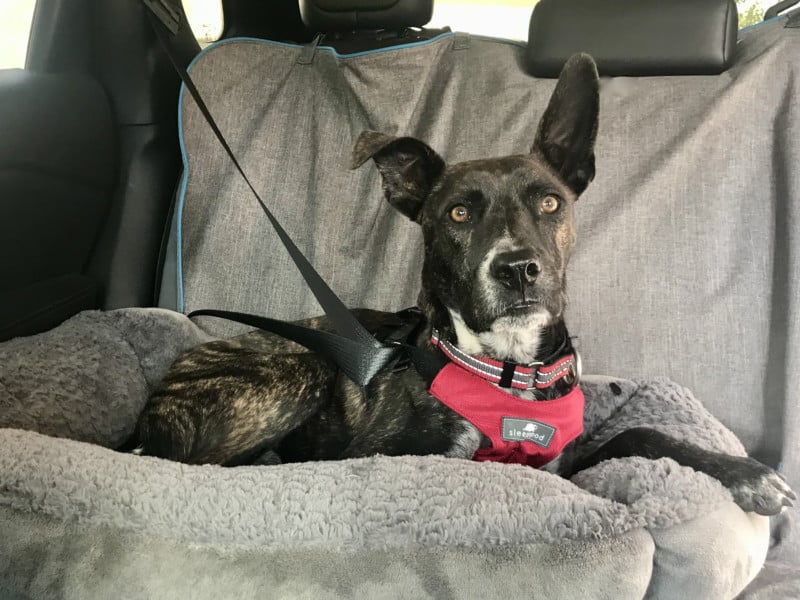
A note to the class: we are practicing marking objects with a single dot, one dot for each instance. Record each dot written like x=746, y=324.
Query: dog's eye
x=549, y=204
x=459, y=213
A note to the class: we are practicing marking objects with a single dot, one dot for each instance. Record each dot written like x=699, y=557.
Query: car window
x=15, y=28
x=510, y=18
x=205, y=19
x=496, y=18
x=752, y=11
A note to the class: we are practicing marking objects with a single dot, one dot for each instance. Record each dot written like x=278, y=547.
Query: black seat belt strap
x=354, y=350
x=357, y=362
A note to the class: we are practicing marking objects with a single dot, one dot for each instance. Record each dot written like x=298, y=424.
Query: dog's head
x=498, y=232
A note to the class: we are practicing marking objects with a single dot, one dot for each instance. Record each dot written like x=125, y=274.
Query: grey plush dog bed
x=78, y=520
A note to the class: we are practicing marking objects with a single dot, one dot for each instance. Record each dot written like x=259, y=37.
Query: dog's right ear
x=408, y=168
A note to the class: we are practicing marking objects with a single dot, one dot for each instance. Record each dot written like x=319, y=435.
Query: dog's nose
x=515, y=269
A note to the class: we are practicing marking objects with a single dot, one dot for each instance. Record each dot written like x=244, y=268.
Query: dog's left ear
x=565, y=139
x=408, y=167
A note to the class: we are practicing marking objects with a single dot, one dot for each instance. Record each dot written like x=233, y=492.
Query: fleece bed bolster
x=76, y=516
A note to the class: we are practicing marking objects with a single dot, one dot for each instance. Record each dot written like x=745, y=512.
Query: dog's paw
x=757, y=488
x=267, y=458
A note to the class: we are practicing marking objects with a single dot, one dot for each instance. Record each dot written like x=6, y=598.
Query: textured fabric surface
x=118, y=513
x=104, y=561
x=51, y=382
x=88, y=379
x=698, y=544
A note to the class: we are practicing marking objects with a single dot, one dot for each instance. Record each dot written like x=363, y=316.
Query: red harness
x=528, y=432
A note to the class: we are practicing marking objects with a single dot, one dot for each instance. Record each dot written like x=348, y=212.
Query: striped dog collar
x=510, y=374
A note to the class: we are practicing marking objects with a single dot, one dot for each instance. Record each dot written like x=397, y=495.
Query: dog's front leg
x=755, y=487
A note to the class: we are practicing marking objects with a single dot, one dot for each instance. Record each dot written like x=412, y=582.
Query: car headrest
x=634, y=37
x=351, y=15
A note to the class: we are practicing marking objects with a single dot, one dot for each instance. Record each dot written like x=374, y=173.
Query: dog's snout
x=515, y=269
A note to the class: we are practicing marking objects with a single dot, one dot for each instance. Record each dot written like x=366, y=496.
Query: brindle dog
x=498, y=234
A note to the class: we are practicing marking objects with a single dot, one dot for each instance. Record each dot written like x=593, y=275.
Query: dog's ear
x=408, y=167
x=568, y=128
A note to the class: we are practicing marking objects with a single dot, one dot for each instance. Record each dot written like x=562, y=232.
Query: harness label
x=526, y=430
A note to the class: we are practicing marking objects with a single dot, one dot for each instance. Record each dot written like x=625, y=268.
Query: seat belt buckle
x=169, y=16
x=402, y=336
